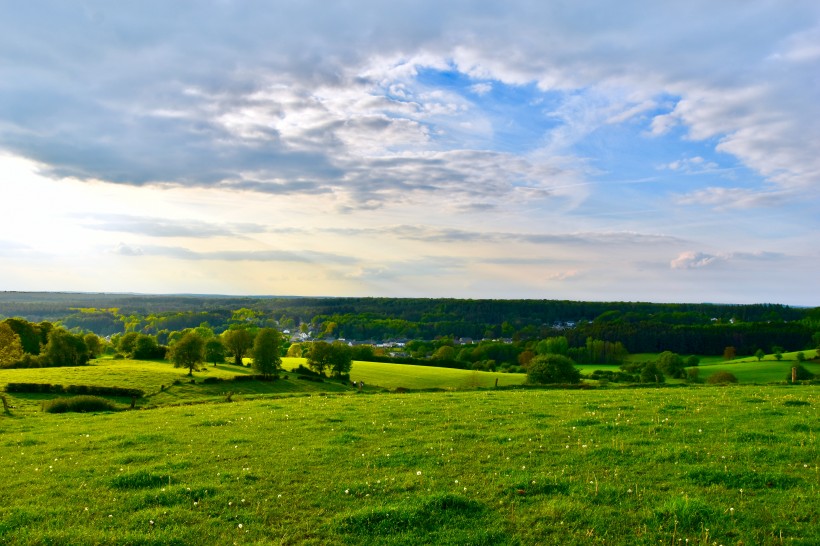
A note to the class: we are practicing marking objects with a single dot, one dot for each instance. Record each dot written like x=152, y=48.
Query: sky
x=585, y=150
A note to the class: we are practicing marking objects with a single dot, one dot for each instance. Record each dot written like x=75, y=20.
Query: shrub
x=692, y=375
x=551, y=368
x=651, y=374
x=79, y=404
x=302, y=370
x=802, y=374
x=719, y=378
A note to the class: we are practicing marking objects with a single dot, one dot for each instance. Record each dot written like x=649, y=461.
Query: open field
x=629, y=466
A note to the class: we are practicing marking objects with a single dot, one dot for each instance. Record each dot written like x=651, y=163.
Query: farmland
x=694, y=464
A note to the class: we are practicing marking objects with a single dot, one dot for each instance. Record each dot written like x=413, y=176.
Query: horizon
x=279, y=296
x=530, y=150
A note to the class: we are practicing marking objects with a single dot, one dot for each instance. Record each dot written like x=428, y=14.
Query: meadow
x=297, y=462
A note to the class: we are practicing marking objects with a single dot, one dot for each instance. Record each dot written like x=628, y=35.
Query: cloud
x=161, y=227
x=182, y=253
x=699, y=260
x=314, y=98
x=481, y=88
x=127, y=250
x=736, y=198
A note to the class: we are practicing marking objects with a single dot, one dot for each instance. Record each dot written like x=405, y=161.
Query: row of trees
x=29, y=345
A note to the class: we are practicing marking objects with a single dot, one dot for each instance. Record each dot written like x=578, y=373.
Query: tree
x=671, y=364
x=188, y=352
x=318, y=356
x=94, y=344
x=801, y=357
x=729, y=353
x=759, y=354
x=692, y=361
x=525, y=357
x=363, y=352
x=146, y=347
x=295, y=350
x=65, y=349
x=553, y=345
x=341, y=359
x=214, y=350
x=445, y=352
x=11, y=349
x=551, y=368
x=238, y=341
x=267, y=359
x=30, y=334
x=127, y=343
x=651, y=374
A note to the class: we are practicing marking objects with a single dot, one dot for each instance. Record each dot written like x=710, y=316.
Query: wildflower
x=418, y=473
x=240, y=525
x=347, y=491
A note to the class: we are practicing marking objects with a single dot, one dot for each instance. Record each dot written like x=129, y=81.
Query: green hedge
x=73, y=389
x=79, y=404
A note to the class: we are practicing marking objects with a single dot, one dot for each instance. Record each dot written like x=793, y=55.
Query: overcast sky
x=631, y=150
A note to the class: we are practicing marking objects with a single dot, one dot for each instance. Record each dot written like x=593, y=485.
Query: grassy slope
x=701, y=465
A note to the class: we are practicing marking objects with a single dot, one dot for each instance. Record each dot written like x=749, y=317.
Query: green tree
x=11, y=349
x=214, y=351
x=238, y=342
x=267, y=359
x=652, y=374
x=296, y=350
x=319, y=356
x=445, y=352
x=341, y=359
x=801, y=357
x=759, y=354
x=551, y=368
x=553, y=345
x=30, y=334
x=127, y=343
x=65, y=349
x=671, y=364
x=94, y=343
x=146, y=347
x=188, y=352
x=692, y=361
x=363, y=352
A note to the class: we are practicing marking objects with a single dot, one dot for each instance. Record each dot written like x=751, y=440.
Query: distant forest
x=641, y=327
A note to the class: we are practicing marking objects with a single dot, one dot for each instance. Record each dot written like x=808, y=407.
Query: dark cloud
x=303, y=98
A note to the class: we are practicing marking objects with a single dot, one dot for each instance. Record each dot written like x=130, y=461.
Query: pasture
x=691, y=465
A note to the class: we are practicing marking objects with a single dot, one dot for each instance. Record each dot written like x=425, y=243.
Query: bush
x=651, y=374
x=551, y=368
x=721, y=378
x=80, y=404
x=615, y=377
x=692, y=375
x=73, y=389
x=209, y=380
x=802, y=374
x=302, y=370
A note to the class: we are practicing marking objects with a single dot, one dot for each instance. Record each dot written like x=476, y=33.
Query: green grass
x=427, y=377
x=698, y=465
x=749, y=370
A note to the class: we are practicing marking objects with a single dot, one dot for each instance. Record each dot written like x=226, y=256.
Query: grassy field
x=696, y=465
